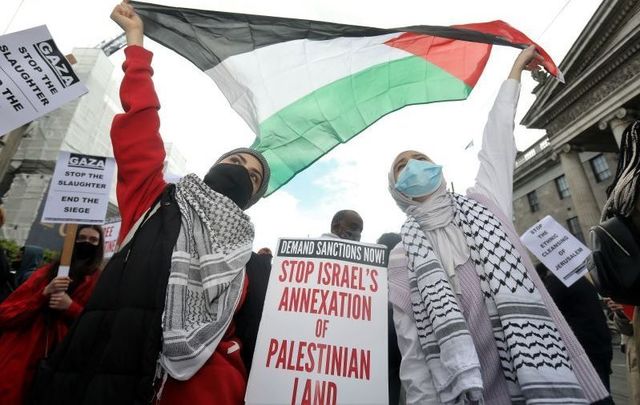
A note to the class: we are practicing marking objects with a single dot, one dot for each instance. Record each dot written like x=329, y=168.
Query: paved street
x=619, y=384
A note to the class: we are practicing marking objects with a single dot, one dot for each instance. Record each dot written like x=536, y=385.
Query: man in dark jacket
x=32, y=257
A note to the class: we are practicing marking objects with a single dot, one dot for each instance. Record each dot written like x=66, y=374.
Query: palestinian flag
x=306, y=86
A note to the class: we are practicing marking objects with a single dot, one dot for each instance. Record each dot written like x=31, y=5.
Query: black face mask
x=84, y=250
x=232, y=181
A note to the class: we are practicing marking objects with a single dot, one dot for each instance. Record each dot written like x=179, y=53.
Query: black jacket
x=581, y=307
x=109, y=356
x=249, y=316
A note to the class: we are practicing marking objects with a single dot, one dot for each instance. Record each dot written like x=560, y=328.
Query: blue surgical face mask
x=419, y=178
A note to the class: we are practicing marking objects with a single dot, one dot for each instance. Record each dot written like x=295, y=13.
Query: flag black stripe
x=206, y=38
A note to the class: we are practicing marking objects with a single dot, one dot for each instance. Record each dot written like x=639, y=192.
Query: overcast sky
x=197, y=118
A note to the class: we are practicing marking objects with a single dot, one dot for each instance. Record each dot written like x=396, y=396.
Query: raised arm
x=137, y=145
x=498, y=153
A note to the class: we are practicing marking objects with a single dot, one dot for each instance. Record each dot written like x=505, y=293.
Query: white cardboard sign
x=323, y=333
x=79, y=190
x=35, y=77
x=557, y=249
x=111, y=231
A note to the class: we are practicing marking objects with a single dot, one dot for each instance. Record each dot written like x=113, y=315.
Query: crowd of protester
x=470, y=315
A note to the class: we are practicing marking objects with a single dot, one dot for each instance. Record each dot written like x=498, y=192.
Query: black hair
x=624, y=190
x=340, y=215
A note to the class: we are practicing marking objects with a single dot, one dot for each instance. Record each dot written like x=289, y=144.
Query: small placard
x=79, y=190
x=35, y=78
x=557, y=249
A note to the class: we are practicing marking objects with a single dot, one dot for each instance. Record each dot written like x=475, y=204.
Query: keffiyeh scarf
x=206, y=278
x=534, y=359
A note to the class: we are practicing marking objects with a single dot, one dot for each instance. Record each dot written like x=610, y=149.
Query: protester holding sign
x=163, y=310
x=36, y=317
x=474, y=321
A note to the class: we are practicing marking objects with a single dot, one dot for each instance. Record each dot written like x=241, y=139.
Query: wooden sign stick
x=67, y=250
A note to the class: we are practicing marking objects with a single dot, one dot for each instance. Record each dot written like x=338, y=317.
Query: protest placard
x=323, y=333
x=557, y=249
x=111, y=230
x=79, y=190
x=35, y=77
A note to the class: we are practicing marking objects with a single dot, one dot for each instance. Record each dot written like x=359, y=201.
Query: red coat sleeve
x=74, y=310
x=137, y=145
x=81, y=296
x=26, y=302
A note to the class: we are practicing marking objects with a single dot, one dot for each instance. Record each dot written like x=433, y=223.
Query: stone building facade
x=541, y=188
x=567, y=172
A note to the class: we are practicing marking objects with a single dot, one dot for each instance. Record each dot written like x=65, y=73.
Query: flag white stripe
x=261, y=83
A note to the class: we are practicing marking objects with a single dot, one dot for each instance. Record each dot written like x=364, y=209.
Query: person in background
x=390, y=240
x=160, y=325
x=622, y=316
x=581, y=307
x=37, y=315
x=346, y=224
x=623, y=201
x=31, y=259
x=474, y=321
x=16, y=261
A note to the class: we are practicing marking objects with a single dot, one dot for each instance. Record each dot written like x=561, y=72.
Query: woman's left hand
x=60, y=301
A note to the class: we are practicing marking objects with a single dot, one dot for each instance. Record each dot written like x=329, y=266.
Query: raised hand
x=528, y=59
x=126, y=17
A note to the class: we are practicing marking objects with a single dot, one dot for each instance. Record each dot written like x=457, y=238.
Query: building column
x=584, y=202
x=618, y=122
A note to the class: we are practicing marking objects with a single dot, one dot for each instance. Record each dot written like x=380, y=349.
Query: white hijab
x=435, y=216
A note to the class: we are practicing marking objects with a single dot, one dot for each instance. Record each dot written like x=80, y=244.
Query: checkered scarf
x=534, y=359
x=206, y=278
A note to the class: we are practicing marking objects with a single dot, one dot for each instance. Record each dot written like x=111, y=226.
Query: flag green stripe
x=299, y=134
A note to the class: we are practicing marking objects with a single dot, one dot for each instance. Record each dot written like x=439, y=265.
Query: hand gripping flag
x=305, y=87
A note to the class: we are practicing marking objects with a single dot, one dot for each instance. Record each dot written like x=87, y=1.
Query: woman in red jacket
x=37, y=315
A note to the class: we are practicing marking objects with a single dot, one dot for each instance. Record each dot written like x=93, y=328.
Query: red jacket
x=137, y=145
x=23, y=332
x=139, y=153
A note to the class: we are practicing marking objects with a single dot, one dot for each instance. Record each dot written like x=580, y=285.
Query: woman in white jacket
x=474, y=322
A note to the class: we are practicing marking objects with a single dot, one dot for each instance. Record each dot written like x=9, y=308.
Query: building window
x=563, y=187
x=574, y=227
x=600, y=168
x=532, y=197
